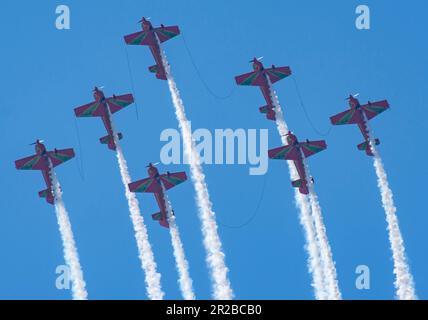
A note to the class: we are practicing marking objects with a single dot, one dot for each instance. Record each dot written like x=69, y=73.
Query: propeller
x=37, y=141
x=152, y=164
x=289, y=133
x=352, y=95
x=258, y=59
x=147, y=19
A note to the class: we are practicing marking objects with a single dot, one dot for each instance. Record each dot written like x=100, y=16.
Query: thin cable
x=202, y=79
x=302, y=105
x=131, y=80
x=251, y=218
x=80, y=161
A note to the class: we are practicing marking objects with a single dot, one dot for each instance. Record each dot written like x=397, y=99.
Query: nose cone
x=145, y=23
x=291, y=138
x=98, y=94
x=40, y=148
x=152, y=171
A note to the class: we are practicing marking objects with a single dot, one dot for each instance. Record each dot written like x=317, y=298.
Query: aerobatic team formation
x=320, y=258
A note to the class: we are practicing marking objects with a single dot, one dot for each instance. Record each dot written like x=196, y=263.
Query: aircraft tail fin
x=164, y=223
x=158, y=217
x=109, y=141
x=269, y=111
x=365, y=146
x=160, y=74
x=301, y=184
x=47, y=194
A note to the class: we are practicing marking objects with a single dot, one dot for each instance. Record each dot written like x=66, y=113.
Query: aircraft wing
x=166, y=33
x=144, y=38
x=60, y=156
x=346, y=117
x=284, y=153
x=277, y=73
x=171, y=180
x=254, y=78
x=374, y=108
x=93, y=109
x=35, y=162
x=149, y=185
x=311, y=147
x=117, y=103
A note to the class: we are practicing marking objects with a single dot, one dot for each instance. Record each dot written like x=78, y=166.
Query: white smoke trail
x=215, y=257
x=325, y=249
x=152, y=277
x=311, y=246
x=184, y=280
x=405, y=288
x=306, y=220
x=70, y=251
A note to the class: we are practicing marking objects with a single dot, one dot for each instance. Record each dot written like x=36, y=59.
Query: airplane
x=152, y=37
x=100, y=108
x=152, y=184
x=359, y=115
x=40, y=161
x=259, y=77
x=296, y=151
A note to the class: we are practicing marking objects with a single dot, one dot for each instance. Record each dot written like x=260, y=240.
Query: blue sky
x=47, y=72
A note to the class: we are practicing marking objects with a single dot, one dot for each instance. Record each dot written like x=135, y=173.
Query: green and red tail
x=365, y=146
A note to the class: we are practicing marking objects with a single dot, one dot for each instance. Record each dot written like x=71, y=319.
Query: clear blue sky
x=45, y=73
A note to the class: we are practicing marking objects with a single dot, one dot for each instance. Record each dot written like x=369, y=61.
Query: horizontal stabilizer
x=159, y=71
x=264, y=109
x=108, y=140
x=301, y=184
x=157, y=216
x=154, y=69
x=297, y=183
x=47, y=194
x=43, y=193
x=268, y=111
x=365, y=146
